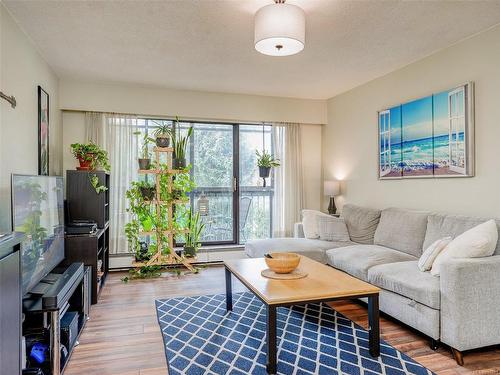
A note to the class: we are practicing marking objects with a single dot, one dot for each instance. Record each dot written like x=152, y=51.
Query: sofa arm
x=470, y=302
x=298, y=230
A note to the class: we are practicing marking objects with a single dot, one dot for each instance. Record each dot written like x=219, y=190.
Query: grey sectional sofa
x=461, y=308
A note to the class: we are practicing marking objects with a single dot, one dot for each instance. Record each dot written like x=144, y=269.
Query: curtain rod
x=191, y=119
x=10, y=99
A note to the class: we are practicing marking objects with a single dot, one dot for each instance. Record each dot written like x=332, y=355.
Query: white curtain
x=95, y=128
x=288, y=198
x=123, y=150
x=115, y=134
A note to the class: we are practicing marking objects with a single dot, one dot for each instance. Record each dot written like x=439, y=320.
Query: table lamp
x=332, y=188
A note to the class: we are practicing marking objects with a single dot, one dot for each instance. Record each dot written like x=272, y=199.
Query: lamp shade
x=280, y=29
x=332, y=188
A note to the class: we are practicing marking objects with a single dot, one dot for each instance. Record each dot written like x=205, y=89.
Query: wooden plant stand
x=172, y=258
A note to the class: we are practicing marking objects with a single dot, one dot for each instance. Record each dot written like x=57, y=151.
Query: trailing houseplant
x=265, y=162
x=193, y=237
x=91, y=157
x=180, y=143
x=145, y=160
x=162, y=134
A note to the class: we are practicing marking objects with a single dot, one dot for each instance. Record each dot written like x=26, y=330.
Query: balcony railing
x=254, y=212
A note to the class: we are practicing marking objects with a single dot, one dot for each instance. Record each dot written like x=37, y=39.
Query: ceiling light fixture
x=280, y=29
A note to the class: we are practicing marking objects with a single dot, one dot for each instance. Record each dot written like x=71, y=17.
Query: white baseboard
x=204, y=256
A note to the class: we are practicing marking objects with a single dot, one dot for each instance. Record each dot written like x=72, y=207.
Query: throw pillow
x=333, y=229
x=479, y=241
x=430, y=254
x=310, y=223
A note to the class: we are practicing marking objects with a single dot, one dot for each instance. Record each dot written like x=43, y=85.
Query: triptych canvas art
x=428, y=137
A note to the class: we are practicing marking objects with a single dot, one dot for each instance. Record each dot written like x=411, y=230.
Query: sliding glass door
x=212, y=157
x=255, y=200
x=224, y=170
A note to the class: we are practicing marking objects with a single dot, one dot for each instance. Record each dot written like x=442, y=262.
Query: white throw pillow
x=333, y=229
x=430, y=254
x=310, y=223
x=479, y=241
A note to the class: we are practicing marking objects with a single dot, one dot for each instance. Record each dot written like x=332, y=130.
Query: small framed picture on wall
x=43, y=132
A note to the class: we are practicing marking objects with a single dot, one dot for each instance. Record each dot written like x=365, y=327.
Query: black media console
x=55, y=317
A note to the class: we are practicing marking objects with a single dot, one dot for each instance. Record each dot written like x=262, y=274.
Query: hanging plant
x=265, y=161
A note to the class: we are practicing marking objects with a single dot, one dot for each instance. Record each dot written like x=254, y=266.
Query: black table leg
x=229, y=291
x=373, y=325
x=271, y=340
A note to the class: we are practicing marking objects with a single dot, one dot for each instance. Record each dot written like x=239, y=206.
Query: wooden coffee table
x=323, y=284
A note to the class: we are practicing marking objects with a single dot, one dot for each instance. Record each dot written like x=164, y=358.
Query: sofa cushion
x=314, y=249
x=333, y=229
x=477, y=242
x=430, y=254
x=439, y=226
x=402, y=230
x=406, y=279
x=310, y=223
x=361, y=222
x=356, y=260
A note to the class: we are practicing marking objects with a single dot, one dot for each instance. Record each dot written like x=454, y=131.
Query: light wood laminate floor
x=123, y=337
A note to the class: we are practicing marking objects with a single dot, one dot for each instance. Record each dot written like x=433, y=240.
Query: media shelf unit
x=93, y=251
x=66, y=292
x=84, y=203
x=82, y=200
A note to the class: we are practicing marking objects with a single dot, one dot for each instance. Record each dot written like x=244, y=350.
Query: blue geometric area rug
x=200, y=338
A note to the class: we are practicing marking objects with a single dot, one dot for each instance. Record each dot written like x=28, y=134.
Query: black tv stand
x=65, y=290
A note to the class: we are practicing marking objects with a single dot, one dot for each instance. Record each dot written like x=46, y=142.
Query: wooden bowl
x=282, y=262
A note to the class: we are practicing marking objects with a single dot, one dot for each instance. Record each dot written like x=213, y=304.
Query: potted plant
x=266, y=161
x=145, y=161
x=195, y=226
x=180, y=144
x=90, y=156
x=147, y=190
x=143, y=254
x=162, y=134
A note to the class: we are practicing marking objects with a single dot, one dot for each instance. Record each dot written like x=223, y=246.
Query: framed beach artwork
x=43, y=132
x=429, y=137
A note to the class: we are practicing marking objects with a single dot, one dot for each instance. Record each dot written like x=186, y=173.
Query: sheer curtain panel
x=95, y=128
x=123, y=150
x=288, y=198
x=115, y=134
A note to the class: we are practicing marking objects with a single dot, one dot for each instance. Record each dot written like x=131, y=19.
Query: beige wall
x=350, y=138
x=21, y=70
x=188, y=104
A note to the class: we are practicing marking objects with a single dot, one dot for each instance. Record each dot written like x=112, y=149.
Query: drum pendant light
x=280, y=29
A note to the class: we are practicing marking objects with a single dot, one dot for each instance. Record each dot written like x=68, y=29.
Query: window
x=456, y=121
x=385, y=142
x=224, y=169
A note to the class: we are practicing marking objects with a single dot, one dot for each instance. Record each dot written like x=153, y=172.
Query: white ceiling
x=208, y=44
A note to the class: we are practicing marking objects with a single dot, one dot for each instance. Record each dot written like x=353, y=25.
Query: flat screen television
x=38, y=212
